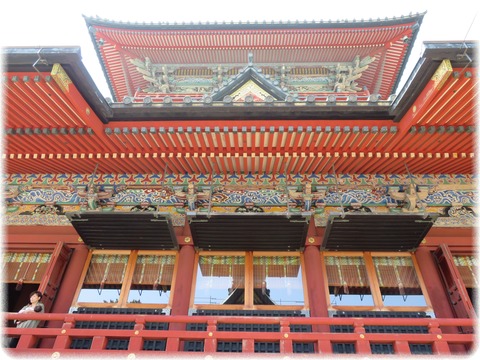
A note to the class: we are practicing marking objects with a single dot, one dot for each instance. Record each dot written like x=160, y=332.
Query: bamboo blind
x=467, y=266
x=106, y=269
x=397, y=275
x=274, y=267
x=153, y=270
x=25, y=267
x=224, y=266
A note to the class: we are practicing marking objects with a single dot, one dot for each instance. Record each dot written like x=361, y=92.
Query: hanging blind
x=106, y=270
x=467, y=266
x=224, y=266
x=274, y=267
x=153, y=270
x=346, y=271
x=397, y=273
x=25, y=267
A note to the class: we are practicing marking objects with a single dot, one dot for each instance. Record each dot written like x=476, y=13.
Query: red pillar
x=183, y=285
x=182, y=292
x=315, y=282
x=183, y=281
x=316, y=292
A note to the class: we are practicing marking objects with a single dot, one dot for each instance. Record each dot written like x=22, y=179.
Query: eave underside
x=117, y=46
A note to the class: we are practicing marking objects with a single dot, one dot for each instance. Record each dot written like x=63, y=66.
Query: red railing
x=321, y=337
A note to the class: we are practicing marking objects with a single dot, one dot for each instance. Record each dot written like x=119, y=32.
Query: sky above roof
x=58, y=23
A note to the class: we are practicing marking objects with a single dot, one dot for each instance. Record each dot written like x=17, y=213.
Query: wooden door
x=456, y=291
x=53, y=275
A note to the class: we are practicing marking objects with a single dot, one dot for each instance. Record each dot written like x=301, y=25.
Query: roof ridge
x=97, y=20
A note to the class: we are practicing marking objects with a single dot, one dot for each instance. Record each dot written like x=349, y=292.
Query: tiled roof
x=387, y=41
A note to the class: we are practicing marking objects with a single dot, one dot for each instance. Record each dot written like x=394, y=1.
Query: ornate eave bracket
x=410, y=197
x=91, y=195
x=307, y=196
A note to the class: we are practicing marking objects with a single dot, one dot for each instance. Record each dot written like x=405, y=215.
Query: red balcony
x=441, y=337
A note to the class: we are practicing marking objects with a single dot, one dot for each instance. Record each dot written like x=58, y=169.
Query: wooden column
x=316, y=292
x=315, y=282
x=183, y=285
x=183, y=281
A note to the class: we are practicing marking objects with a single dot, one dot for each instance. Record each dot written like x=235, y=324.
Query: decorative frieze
x=452, y=197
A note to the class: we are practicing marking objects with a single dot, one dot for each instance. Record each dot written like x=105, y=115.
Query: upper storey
x=293, y=58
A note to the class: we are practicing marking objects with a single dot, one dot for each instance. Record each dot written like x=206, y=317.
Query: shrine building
x=247, y=188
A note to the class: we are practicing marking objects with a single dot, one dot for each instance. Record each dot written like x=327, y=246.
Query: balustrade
x=323, y=342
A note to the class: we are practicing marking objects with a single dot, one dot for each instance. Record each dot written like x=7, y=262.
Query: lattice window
x=128, y=278
x=367, y=279
x=397, y=275
x=224, y=266
x=104, y=279
x=275, y=267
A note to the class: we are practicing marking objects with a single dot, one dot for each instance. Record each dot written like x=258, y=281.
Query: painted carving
x=411, y=198
x=11, y=191
x=92, y=194
x=346, y=75
x=192, y=196
x=308, y=197
x=317, y=77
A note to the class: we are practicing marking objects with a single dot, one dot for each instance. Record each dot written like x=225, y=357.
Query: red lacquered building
x=248, y=188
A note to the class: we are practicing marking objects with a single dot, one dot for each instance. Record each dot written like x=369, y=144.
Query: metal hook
x=40, y=60
x=336, y=183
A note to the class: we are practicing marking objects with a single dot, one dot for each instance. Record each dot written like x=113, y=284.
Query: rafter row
x=233, y=140
x=344, y=162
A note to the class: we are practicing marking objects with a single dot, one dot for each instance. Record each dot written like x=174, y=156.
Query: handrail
x=320, y=335
x=386, y=321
